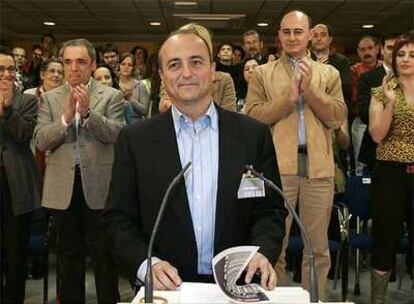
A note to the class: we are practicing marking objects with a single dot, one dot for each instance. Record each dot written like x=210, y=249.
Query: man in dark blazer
x=147, y=157
x=368, y=81
x=19, y=179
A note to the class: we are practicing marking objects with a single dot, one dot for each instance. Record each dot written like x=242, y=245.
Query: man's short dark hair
x=144, y=52
x=35, y=47
x=368, y=37
x=223, y=44
x=4, y=50
x=299, y=11
x=251, y=32
x=239, y=48
x=109, y=47
x=79, y=42
x=48, y=35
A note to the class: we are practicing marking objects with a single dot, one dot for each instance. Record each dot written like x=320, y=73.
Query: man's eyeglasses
x=11, y=69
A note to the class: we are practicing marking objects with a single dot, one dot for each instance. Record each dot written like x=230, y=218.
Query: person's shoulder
x=221, y=76
x=147, y=126
x=340, y=57
x=326, y=69
x=242, y=120
x=99, y=87
x=268, y=65
x=374, y=73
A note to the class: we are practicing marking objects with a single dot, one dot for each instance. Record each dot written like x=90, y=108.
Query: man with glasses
x=19, y=179
x=302, y=101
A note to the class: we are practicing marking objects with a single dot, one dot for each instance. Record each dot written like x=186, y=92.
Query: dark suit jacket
x=369, y=80
x=16, y=130
x=147, y=159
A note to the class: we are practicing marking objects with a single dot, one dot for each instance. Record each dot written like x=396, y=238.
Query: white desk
x=210, y=293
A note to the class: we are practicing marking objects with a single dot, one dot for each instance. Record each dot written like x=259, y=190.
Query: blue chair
x=357, y=199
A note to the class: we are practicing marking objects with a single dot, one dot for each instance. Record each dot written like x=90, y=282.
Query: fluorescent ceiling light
x=210, y=17
x=263, y=24
x=368, y=26
x=155, y=23
x=49, y=23
x=185, y=3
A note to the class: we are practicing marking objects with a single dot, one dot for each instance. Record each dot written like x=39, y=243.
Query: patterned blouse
x=398, y=145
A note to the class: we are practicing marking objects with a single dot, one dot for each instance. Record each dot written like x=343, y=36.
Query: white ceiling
x=128, y=20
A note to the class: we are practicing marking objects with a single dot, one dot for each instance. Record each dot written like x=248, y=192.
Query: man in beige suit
x=302, y=101
x=78, y=123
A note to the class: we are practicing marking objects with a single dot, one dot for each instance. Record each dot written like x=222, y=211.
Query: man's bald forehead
x=175, y=36
x=299, y=14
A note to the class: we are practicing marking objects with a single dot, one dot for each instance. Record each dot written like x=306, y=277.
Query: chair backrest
x=357, y=195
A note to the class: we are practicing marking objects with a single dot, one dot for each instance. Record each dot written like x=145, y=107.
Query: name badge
x=251, y=187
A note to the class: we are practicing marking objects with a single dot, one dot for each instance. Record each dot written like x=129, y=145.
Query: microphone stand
x=313, y=279
x=149, y=289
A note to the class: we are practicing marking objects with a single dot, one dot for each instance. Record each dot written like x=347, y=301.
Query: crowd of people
x=302, y=115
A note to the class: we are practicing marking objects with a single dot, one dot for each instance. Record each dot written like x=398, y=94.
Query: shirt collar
x=180, y=120
x=387, y=69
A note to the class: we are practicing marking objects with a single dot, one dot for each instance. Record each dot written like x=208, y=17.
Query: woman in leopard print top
x=392, y=127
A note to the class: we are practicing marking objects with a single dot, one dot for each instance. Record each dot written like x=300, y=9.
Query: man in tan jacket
x=302, y=102
x=78, y=123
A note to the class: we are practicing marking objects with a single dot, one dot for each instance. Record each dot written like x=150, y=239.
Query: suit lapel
x=95, y=94
x=61, y=96
x=231, y=167
x=166, y=155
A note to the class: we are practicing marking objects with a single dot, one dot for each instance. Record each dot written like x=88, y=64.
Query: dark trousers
x=392, y=197
x=79, y=234
x=14, y=247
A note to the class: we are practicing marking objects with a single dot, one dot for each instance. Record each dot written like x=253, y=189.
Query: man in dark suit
x=205, y=215
x=19, y=179
x=368, y=81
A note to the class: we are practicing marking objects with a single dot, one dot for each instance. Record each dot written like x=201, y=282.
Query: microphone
x=149, y=292
x=313, y=279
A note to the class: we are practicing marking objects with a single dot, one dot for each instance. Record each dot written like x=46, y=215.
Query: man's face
x=7, y=71
x=186, y=69
x=36, y=54
x=368, y=51
x=139, y=56
x=294, y=34
x=252, y=45
x=225, y=53
x=47, y=43
x=321, y=39
x=111, y=59
x=387, y=50
x=237, y=56
x=77, y=65
x=19, y=55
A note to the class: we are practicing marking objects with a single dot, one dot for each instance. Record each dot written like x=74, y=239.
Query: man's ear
x=213, y=69
x=161, y=75
x=93, y=65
